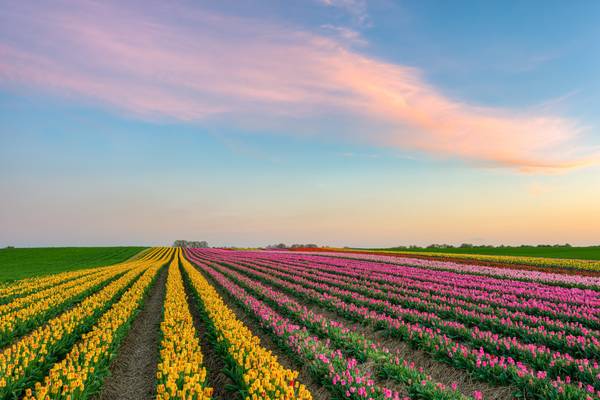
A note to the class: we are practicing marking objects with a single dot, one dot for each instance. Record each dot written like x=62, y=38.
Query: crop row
x=413, y=327
x=27, y=360
x=25, y=300
x=79, y=321
x=180, y=372
x=41, y=286
x=59, y=334
x=574, y=308
x=254, y=370
x=32, y=285
x=84, y=367
x=486, y=288
x=539, y=357
x=497, y=317
x=509, y=273
x=590, y=265
x=336, y=368
x=20, y=320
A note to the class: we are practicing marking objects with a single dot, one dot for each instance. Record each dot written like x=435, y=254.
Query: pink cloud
x=192, y=65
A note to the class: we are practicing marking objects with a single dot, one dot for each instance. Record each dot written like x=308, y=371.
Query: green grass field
x=563, y=252
x=26, y=262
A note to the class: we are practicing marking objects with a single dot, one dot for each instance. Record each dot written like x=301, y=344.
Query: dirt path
x=133, y=371
x=317, y=390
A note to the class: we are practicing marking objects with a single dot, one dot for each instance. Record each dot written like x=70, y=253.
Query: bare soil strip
x=305, y=377
x=133, y=371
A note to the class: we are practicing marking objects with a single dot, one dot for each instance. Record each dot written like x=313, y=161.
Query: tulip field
x=253, y=324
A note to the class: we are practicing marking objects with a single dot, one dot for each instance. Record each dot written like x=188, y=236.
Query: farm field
x=544, y=260
x=26, y=262
x=225, y=324
x=569, y=252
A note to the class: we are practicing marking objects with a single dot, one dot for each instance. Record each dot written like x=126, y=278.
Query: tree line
x=190, y=244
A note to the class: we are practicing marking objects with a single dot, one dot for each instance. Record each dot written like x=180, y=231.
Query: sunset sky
x=340, y=122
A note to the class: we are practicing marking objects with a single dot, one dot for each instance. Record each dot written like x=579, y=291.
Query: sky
x=338, y=122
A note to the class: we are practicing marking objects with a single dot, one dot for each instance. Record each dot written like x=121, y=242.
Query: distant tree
x=437, y=246
x=190, y=244
x=277, y=246
x=465, y=245
x=305, y=246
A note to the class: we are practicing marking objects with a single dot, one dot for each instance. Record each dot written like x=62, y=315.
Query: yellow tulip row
x=180, y=372
x=42, y=294
x=60, y=295
x=83, y=366
x=32, y=285
x=265, y=378
x=38, y=347
x=156, y=253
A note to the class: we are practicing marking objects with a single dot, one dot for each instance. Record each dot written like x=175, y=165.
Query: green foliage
x=18, y=263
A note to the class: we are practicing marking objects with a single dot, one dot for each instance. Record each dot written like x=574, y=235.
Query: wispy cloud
x=357, y=9
x=164, y=60
x=345, y=35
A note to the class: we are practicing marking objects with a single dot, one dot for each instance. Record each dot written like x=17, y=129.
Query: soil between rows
x=304, y=375
x=133, y=370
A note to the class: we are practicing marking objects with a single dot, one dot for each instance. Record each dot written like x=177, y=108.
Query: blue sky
x=339, y=122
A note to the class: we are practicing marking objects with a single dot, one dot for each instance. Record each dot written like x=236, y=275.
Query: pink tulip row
x=526, y=290
x=562, y=307
x=570, y=336
x=510, y=273
x=510, y=317
x=539, y=356
x=393, y=317
x=343, y=375
x=337, y=332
